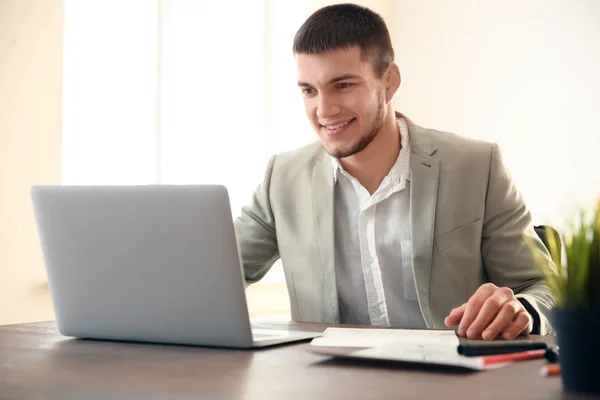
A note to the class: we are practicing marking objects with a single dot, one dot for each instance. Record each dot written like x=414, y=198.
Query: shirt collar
x=400, y=169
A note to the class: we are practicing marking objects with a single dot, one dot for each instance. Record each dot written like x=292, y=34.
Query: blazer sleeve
x=507, y=258
x=255, y=231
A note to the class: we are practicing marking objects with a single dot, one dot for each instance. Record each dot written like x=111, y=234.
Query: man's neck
x=372, y=164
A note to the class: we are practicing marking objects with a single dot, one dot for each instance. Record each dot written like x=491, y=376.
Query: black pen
x=473, y=349
x=552, y=354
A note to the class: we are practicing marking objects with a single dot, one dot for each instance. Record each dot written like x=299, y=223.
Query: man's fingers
x=469, y=315
x=522, y=322
x=503, y=319
x=474, y=305
x=489, y=311
x=455, y=315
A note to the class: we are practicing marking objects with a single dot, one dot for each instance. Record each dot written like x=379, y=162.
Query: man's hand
x=490, y=312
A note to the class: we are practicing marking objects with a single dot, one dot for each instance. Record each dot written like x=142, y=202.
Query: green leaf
x=576, y=281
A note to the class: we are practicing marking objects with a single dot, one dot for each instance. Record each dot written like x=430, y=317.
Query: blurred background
x=192, y=91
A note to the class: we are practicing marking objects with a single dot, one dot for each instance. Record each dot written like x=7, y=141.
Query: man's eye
x=344, y=85
x=307, y=91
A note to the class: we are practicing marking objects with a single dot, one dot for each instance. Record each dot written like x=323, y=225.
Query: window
x=180, y=92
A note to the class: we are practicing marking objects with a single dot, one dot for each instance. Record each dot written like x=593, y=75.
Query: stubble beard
x=368, y=137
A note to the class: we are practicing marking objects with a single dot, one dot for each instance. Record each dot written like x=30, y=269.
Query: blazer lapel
x=323, y=198
x=425, y=172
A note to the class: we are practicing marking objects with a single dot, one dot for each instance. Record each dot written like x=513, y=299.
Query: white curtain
x=110, y=103
x=180, y=92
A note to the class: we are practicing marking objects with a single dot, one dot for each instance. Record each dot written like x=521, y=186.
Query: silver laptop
x=147, y=263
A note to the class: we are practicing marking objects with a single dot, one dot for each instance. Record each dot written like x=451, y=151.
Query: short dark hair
x=342, y=26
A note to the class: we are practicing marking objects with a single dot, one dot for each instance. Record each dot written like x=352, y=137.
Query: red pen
x=510, y=357
x=550, y=370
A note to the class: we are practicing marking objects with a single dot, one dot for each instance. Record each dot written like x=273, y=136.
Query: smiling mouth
x=338, y=129
x=338, y=126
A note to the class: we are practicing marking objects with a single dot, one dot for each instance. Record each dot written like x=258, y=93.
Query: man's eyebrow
x=343, y=78
x=333, y=80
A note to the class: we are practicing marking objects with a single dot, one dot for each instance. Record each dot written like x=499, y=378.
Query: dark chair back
x=543, y=231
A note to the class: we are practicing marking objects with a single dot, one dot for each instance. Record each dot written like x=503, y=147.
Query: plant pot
x=578, y=337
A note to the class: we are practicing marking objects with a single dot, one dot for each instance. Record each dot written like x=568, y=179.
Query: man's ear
x=392, y=81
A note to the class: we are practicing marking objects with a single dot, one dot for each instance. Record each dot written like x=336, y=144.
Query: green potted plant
x=576, y=285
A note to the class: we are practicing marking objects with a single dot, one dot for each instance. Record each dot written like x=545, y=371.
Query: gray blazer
x=467, y=218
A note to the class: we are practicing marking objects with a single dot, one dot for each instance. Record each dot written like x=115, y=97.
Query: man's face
x=343, y=99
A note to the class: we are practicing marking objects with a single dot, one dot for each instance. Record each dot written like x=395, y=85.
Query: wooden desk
x=38, y=363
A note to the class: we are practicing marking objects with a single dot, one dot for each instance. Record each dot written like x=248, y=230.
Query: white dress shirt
x=374, y=272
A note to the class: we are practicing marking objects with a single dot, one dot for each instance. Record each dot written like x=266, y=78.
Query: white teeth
x=332, y=127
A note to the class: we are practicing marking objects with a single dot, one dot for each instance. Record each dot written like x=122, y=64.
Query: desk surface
x=37, y=362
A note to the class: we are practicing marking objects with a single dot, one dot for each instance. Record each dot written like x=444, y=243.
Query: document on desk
x=364, y=337
x=439, y=347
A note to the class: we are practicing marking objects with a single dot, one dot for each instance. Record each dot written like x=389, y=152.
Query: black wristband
x=534, y=314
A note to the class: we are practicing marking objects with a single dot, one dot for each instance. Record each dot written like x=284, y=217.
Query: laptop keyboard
x=262, y=334
x=259, y=336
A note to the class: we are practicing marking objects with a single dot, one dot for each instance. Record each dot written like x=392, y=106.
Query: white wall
x=521, y=73
x=30, y=147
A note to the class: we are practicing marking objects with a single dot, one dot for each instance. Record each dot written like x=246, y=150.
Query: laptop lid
x=143, y=263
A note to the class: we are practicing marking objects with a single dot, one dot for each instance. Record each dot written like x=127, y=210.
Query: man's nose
x=327, y=107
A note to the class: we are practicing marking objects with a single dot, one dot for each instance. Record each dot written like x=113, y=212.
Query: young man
x=384, y=222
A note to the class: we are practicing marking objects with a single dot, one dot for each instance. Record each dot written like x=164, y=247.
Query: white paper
x=440, y=354
x=410, y=345
x=364, y=337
